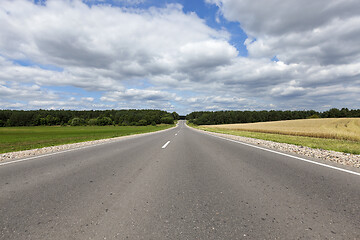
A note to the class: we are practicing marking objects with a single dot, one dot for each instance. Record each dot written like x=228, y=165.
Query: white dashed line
x=165, y=145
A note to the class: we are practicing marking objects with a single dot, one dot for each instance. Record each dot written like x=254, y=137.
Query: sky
x=180, y=55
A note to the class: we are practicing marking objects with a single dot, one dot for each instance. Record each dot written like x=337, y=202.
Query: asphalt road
x=194, y=187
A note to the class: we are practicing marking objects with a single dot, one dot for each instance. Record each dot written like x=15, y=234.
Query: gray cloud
x=324, y=32
x=272, y=17
x=110, y=49
x=16, y=91
x=138, y=95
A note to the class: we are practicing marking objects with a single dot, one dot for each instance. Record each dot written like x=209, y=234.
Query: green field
x=340, y=135
x=24, y=138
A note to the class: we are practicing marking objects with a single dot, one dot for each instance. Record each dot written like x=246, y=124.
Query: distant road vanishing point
x=176, y=184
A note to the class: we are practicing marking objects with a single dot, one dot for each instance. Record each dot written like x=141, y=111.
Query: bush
x=314, y=116
x=167, y=120
x=77, y=121
x=142, y=122
x=103, y=121
x=92, y=122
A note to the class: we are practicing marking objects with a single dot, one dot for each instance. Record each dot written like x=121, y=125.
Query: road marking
x=122, y=138
x=287, y=155
x=165, y=145
x=50, y=154
x=175, y=134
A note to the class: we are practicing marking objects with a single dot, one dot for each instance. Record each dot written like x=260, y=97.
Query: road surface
x=176, y=184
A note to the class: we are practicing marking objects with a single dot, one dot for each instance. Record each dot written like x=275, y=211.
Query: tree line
x=11, y=118
x=228, y=117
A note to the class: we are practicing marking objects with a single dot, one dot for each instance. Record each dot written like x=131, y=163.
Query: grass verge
x=321, y=143
x=25, y=138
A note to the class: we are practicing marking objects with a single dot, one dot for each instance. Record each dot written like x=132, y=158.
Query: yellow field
x=331, y=128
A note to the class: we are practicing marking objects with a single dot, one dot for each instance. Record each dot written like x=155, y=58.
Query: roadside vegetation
x=14, y=118
x=340, y=134
x=24, y=138
x=229, y=117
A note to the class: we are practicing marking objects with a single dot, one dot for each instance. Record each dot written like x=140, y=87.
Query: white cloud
x=89, y=79
x=128, y=43
x=206, y=54
x=66, y=104
x=214, y=103
x=11, y=105
x=289, y=89
x=110, y=49
x=317, y=32
x=138, y=95
x=125, y=2
x=88, y=99
x=16, y=91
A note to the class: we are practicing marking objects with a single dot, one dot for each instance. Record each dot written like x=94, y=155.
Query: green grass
x=24, y=138
x=321, y=143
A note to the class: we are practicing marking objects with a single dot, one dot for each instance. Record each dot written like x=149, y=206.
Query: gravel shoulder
x=47, y=150
x=345, y=159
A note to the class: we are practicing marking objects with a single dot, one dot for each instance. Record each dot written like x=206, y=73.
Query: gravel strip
x=338, y=157
x=40, y=151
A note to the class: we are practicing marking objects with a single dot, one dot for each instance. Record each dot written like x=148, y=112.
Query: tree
x=175, y=116
x=77, y=121
x=142, y=122
x=103, y=121
x=92, y=122
x=167, y=120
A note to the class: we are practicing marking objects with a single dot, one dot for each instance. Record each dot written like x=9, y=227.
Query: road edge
x=314, y=160
x=20, y=156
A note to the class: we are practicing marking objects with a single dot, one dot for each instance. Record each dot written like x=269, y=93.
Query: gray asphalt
x=198, y=187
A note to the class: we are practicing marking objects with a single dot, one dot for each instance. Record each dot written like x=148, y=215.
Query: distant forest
x=228, y=117
x=12, y=118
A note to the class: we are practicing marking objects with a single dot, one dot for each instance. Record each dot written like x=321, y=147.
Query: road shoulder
x=45, y=151
x=346, y=161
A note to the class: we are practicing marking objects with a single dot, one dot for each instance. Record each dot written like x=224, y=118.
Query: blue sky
x=179, y=55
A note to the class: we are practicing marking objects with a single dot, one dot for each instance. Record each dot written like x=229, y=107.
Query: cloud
x=216, y=103
x=125, y=2
x=19, y=96
x=139, y=95
x=11, y=105
x=128, y=43
x=290, y=89
x=66, y=104
x=88, y=99
x=100, y=47
x=300, y=16
x=16, y=91
x=207, y=54
x=317, y=32
x=183, y=63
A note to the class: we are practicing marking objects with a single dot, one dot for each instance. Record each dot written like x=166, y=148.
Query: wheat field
x=330, y=128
